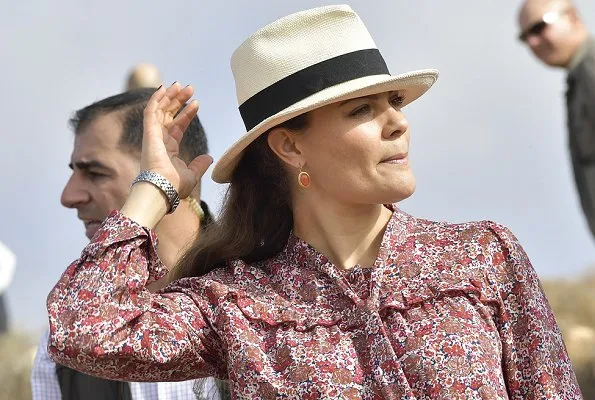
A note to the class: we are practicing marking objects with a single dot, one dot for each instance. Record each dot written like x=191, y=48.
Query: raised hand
x=164, y=128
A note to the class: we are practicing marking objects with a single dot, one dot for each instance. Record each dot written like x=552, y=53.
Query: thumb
x=200, y=164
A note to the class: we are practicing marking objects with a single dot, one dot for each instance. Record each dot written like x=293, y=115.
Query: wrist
x=146, y=204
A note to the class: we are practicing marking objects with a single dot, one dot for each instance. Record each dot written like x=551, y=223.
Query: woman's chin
x=396, y=195
x=403, y=188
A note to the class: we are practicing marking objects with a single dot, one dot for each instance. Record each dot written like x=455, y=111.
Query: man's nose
x=533, y=41
x=74, y=194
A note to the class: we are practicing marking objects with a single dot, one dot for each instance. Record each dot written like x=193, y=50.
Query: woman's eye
x=360, y=110
x=397, y=101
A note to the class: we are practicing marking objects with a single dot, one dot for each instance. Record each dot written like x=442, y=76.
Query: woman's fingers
x=150, y=113
x=182, y=120
x=190, y=174
x=154, y=100
x=170, y=103
x=177, y=101
x=164, y=128
x=200, y=164
x=170, y=94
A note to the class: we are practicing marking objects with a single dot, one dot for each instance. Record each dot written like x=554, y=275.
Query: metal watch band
x=163, y=184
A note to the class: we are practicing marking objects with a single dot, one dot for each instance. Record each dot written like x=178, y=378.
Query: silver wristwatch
x=163, y=184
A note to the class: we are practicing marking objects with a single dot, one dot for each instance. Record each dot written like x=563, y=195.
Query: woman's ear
x=284, y=144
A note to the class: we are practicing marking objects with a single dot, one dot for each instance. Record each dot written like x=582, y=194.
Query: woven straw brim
x=412, y=85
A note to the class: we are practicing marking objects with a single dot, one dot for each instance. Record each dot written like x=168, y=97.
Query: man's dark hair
x=131, y=105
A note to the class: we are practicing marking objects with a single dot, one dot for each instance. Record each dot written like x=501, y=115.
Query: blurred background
x=489, y=141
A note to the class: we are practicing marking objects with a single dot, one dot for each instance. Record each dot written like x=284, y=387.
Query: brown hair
x=256, y=216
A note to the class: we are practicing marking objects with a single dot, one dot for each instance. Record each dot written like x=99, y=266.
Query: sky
x=488, y=140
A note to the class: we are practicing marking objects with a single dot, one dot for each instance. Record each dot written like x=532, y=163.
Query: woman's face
x=356, y=151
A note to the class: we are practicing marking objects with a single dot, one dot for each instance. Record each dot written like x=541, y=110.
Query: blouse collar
x=299, y=253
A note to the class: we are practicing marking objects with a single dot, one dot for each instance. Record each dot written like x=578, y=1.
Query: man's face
x=552, y=36
x=102, y=172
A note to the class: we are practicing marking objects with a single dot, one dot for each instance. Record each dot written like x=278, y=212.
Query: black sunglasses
x=534, y=29
x=538, y=27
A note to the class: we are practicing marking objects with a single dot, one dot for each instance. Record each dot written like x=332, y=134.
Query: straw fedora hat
x=302, y=62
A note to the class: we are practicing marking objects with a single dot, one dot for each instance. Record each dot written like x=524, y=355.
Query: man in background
x=7, y=266
x=143, y=75
x=104, y=162
x=558, y=37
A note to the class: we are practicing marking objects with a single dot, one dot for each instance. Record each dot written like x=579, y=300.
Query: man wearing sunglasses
x=556, y=34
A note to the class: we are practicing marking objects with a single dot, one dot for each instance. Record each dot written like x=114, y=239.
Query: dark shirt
x=3, y=315
x=580, y=100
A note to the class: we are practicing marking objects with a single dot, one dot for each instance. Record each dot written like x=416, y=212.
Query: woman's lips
x=397, y=159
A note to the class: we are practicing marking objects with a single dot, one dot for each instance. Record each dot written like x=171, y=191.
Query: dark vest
x=3, y=316
x=75, y=385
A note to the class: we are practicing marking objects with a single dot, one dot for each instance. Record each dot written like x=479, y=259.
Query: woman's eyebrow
x=371, y=97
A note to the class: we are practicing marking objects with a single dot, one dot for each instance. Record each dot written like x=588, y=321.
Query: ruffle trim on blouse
x=274, y=310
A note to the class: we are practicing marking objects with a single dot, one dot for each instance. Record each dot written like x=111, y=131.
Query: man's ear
x=285, y=144
x=574, y=15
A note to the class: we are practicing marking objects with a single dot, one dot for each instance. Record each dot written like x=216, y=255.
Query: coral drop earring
x=304, y=179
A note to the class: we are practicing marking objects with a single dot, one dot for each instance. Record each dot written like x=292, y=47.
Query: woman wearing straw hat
x=312, y=284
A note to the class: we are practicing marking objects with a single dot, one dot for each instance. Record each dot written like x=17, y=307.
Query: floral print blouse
x=448, y=311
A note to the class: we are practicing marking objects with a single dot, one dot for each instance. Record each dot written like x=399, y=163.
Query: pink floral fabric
x=446, y=312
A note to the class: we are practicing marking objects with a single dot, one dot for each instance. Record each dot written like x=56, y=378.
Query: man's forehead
x=99, y=140
x=103, y=129
x=533, y=10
